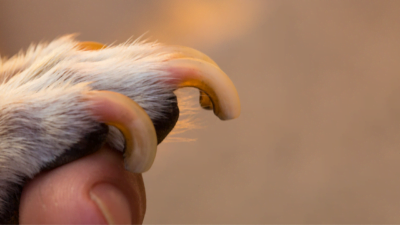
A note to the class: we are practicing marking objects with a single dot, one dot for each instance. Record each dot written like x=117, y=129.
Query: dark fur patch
x=88, y=145
x=164, y=126
x=10, y=213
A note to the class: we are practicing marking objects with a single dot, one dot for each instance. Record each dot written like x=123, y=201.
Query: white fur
x=42, y=108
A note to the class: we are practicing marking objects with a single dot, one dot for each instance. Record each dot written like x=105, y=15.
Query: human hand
x=95, y=189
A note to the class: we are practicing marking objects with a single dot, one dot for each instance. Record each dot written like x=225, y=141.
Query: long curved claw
x=186, y=52
x=140, y=136
x=205, y=75
x=189, y=72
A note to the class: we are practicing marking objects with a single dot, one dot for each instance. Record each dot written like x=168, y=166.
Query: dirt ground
x=318, y=140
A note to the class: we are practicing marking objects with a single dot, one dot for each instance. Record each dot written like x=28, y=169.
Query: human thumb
x=95, y=189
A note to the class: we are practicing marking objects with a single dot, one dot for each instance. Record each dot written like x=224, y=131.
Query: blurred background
x=319, y=135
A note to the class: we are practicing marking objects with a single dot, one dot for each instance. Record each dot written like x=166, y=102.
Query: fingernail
x=112, y=203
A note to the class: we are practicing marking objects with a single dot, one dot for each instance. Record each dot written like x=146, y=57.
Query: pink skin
x=65, y=195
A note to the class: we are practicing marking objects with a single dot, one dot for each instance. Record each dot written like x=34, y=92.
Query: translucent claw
x=187, y=72
x=140, y=136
